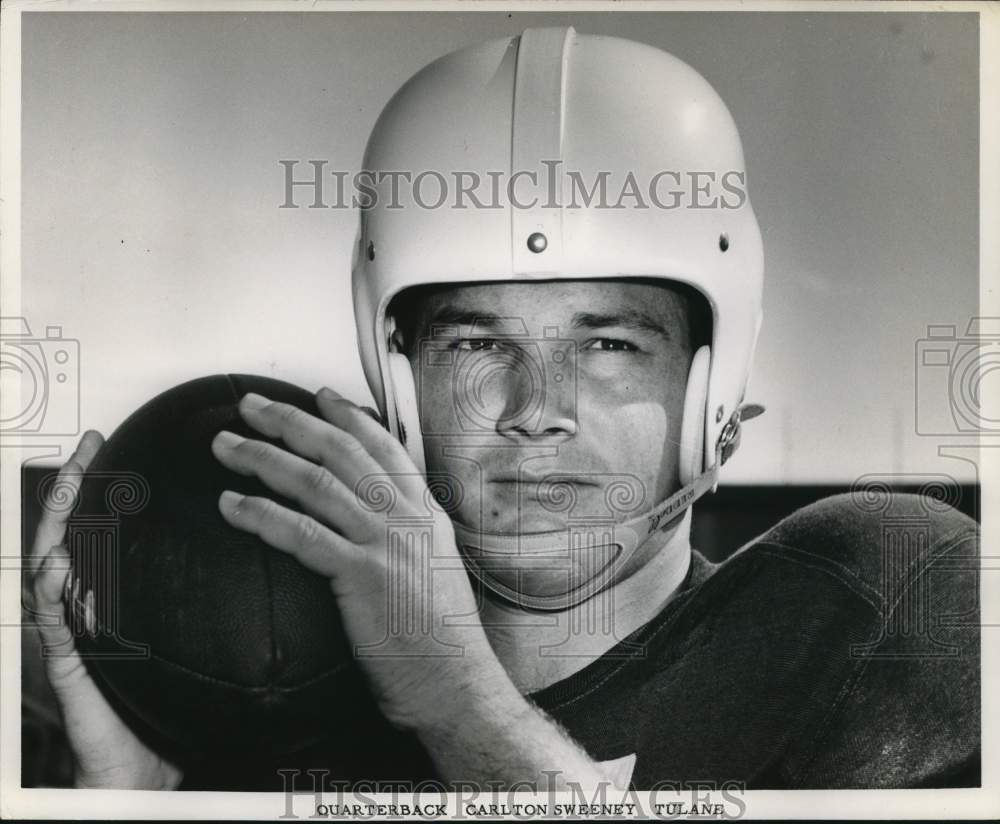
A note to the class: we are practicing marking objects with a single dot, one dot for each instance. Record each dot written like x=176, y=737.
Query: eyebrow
x=626, y=319
x=485, y=321
x=488, y=321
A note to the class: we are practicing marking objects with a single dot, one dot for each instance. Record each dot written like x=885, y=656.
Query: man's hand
x=106, y=751
x=417, y=676
x=464, y=707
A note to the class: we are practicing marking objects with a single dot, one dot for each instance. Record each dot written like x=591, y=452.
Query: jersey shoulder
x=875, y=600
x=867, y=535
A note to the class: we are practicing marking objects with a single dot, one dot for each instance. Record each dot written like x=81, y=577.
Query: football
x=204, y=639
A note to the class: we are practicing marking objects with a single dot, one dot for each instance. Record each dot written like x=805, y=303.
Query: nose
x=539, y=398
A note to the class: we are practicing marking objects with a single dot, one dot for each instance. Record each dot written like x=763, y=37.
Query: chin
x=549, y=576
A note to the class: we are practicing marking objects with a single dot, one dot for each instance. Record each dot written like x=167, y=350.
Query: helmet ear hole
x=692, y=439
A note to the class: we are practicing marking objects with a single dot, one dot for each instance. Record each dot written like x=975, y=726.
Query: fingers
x=318, y=548
x=316, y=489
x=57, y=640
x=62, y=498
x=88, y=447
x=311, y=437
x=336, y=461
x=364, y=426
x=50, y=581
x=349, y=443
x=50, y=565
x=367, y=429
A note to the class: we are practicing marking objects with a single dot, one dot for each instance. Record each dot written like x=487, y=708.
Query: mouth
x=552, y=479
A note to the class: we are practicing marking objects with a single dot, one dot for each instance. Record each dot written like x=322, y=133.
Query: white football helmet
x=595, y=105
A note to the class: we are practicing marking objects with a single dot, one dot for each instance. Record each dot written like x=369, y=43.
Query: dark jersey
x=838, y=650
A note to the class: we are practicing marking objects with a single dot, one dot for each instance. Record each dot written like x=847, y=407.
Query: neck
x=539, y=648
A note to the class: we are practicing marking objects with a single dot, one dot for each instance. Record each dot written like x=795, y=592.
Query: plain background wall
x=151, y=186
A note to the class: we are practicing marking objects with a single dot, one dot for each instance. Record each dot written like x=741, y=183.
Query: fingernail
x=252, y=400
x=327, y=392
x=231, y=501
x=228, y=440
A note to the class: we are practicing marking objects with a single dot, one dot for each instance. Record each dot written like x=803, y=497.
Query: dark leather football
x=206, y=639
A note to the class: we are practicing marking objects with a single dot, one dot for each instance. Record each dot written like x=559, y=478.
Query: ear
x=396, y=342
x=692, y=440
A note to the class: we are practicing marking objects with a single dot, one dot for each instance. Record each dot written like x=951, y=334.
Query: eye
x=476, y=344
x=613, y=345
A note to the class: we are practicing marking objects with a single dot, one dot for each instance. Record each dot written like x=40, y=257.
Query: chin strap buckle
x=729, y=439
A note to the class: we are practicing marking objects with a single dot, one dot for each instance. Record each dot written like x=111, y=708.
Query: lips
x=548, y=479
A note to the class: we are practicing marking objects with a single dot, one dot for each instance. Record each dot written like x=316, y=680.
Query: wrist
x=160, y=777
x=472, y=704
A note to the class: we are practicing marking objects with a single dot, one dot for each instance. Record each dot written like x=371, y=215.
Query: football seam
x=266, y=561
x=335, y=670
x=272, y=672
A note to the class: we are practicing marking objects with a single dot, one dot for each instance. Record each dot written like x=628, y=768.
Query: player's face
x=552, y=401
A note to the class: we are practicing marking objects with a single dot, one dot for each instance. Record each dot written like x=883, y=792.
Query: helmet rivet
x=723, y=241
x=537, y=242
x=718, y=415
x=371, y=250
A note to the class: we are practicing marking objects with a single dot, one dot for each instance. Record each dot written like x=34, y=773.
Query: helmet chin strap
x=487, y=552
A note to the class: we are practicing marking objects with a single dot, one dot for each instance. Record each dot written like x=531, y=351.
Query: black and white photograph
x=482, y=411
